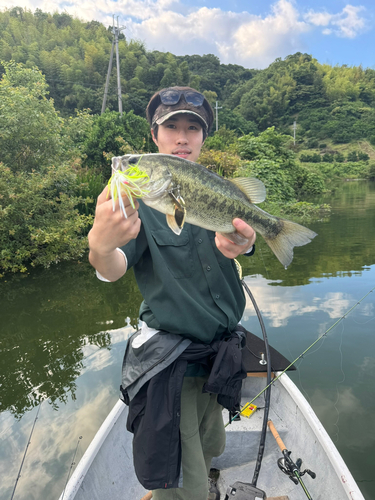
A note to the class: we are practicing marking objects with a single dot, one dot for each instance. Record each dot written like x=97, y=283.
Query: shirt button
x=208, y=268
x=200, y=240
x=217, y=296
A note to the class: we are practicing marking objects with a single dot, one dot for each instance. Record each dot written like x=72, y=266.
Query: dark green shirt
x=188, y=286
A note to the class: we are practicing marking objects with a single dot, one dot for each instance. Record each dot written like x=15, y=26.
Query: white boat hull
x=106, y=469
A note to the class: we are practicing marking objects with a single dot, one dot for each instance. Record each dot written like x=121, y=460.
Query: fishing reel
x=291, y=469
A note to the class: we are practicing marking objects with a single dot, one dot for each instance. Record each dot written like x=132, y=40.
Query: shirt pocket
x=175, y=251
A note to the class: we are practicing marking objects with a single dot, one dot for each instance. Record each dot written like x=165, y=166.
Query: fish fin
x=291, y=235
x=179, y=215
x=254, y=188
x=236, y=238
x=172, y=223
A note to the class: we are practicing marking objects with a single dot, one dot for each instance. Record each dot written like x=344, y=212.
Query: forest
x=56, y=146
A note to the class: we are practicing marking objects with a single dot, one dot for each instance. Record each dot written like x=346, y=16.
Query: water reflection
x=47, y=320
x=345, y=245
x=55, y=346
x=293, y=302
x=56, y=433
x=337, y=375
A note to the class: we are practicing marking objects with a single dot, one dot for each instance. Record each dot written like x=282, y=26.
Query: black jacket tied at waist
x=154, y=411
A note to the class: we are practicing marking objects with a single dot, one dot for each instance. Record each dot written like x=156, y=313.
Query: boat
x=106, y=469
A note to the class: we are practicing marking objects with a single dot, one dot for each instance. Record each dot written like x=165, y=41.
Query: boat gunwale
x=91, y=452
x=348, y=482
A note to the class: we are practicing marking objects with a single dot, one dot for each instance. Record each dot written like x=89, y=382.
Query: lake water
x=63, y=333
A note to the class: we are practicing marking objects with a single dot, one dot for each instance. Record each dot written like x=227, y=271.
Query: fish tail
x=291, y=235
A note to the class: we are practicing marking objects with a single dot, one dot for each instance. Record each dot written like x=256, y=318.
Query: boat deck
x=106, y=470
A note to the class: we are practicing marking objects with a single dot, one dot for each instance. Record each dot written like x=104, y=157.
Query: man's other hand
x=232, y=250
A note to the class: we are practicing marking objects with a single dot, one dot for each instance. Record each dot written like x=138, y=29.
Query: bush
x=352, y=156
x=103, y=142
x=89, y=185
x=312, y=184
x=39, y=222
x=339, y=157
x=312, y=143
x=75, y=132
x=352, y=170
x=328, y=158
x=222, y=162
x=305, y=158
x=221, y=140
x=29, y=125
x=271, y=160
x=304, y=209
x=341, y=137
x=316, y=158
x=322, y=146
x=363, y=156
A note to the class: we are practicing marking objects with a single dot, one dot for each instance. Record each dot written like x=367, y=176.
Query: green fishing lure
x=130, y=182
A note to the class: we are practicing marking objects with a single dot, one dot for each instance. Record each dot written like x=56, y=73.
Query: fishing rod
x=71, y=466
x=301, y=355
x=286, y=464
x=24, y=455
x=249, y=491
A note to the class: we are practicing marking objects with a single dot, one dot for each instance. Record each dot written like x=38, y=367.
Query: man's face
x=180, y=135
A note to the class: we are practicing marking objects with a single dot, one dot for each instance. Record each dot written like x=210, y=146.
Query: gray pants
x=202, y=438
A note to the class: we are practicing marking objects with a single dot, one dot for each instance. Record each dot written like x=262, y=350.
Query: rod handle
x=148, y=496
x=276, y=435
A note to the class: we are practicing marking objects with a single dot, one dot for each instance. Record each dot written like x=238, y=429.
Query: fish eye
x=132, y=160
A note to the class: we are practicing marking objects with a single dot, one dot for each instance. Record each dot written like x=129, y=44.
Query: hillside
x=334, y=104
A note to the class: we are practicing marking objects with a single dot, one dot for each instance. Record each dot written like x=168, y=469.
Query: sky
x=246, y=32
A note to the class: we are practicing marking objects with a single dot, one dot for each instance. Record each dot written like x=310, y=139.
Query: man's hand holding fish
x=111, y=230
x=232, y=250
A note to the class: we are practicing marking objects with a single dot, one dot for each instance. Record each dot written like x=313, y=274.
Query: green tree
x=328, y=158
x=363, y=156
x=221, y=140
x=103, y=139
x=270, y=161
x=352, y=156
x=39, y=223
x=339, y=157
x=29, y=125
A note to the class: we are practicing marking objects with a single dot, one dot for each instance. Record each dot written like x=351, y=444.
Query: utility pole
x=116, y=32
x=216, y=110
x=294, y=131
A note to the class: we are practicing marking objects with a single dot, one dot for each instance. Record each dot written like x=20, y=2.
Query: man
x=189, y=282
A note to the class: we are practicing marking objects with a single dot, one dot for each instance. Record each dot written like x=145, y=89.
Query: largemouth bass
x=188, y=192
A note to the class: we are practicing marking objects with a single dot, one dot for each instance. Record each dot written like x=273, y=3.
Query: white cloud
x=261, y=40
x=52, y=445
x=347, y=24
x=318, y=18
x=286, y=303
x=242, y=38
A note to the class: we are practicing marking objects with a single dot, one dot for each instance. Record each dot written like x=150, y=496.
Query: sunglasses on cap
x=170, y=97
